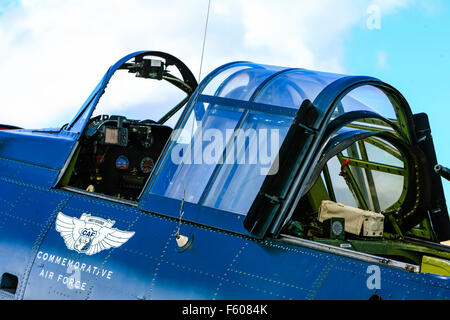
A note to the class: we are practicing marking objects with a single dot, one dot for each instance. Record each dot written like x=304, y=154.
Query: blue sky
x=411, y=51
x=53, y=52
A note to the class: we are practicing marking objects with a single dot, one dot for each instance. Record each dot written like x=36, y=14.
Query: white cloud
x=53, y=53
x=382, y=59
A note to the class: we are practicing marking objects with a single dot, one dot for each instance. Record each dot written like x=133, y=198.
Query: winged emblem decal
x=89, y=234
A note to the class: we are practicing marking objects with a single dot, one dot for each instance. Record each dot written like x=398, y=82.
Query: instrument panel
x=118, y=155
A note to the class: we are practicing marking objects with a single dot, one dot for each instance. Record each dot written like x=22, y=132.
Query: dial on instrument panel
x=146, y=165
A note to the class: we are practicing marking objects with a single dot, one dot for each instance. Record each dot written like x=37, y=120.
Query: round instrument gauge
x=337, y=228
x=148, y=141
x=122, y=163
x=147, y=164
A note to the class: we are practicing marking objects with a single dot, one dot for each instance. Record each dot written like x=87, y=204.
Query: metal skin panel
x=204, y=215
x=25, y=216
x=345, y=276
x=27, y=174
x=218, y=265
x=54, y=256
x=32, y=157
x=49, y=150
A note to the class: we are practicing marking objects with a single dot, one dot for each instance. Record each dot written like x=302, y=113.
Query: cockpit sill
x=99, y=196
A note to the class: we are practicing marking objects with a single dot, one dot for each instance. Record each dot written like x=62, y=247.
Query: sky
x=54, y=52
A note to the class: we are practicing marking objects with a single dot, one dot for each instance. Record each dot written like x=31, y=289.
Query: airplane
x=273, y=183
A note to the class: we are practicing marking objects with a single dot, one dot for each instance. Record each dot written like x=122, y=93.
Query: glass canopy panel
x=377, y=171
x=243, y=84
x=216, y=81
x=220, y=159
x=193, y=155
x=289, y=89
x=368, y=98
x=252, y=154
x=239, y=81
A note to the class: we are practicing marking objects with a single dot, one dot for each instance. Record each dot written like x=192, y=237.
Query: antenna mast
x=183, y=241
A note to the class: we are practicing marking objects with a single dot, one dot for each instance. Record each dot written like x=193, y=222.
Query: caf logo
x=85, y=240
x=89, y=234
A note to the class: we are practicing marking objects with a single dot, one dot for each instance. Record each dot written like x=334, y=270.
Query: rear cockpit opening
x=368, y=176
x=360, y=196
x=354, y=204
x=368, y=188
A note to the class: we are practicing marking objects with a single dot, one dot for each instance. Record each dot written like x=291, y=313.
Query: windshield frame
x=79, y=123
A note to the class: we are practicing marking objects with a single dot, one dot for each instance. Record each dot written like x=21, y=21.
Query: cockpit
x=116, y=154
